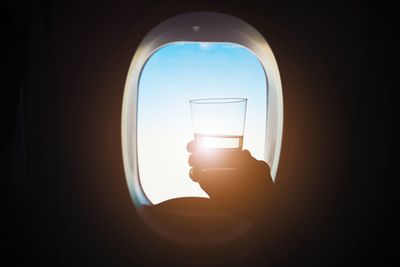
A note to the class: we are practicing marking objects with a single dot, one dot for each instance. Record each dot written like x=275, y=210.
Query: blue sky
x=175, y=74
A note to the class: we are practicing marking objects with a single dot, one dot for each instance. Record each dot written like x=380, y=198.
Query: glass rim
x=217, y=100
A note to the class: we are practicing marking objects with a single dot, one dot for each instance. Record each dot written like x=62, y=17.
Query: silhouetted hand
x=236, y=181
x=242, y=185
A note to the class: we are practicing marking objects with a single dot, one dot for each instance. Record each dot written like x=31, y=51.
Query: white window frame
x=199, y=27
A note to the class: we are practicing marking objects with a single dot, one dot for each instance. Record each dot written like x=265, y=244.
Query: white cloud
x=204, y=45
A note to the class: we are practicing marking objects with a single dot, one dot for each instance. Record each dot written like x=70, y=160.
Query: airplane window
x=193, y=56
x=173, y=75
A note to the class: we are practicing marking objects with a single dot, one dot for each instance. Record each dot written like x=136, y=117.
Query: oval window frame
x=199, y=27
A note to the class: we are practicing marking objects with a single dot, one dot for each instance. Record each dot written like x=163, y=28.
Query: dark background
x=64, y=63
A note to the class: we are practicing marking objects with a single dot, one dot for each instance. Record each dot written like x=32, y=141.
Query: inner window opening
x=172, y=76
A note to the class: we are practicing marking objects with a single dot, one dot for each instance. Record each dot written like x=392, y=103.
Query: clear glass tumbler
x=218, y=123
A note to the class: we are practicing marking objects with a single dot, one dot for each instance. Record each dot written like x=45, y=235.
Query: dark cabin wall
x=65, y=66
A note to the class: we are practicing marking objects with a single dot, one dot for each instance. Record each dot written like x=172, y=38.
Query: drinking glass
x=218, y=123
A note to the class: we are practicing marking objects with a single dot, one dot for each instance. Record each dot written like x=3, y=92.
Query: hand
x=234, y=180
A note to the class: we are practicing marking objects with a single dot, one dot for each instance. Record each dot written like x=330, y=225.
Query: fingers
x=206, y=162
x=196, y=174
x=192, y=146
x=207, y=159
x=211, y=175
x=215, y=159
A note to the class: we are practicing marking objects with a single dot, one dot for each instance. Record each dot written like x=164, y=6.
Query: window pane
x=172, y=76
